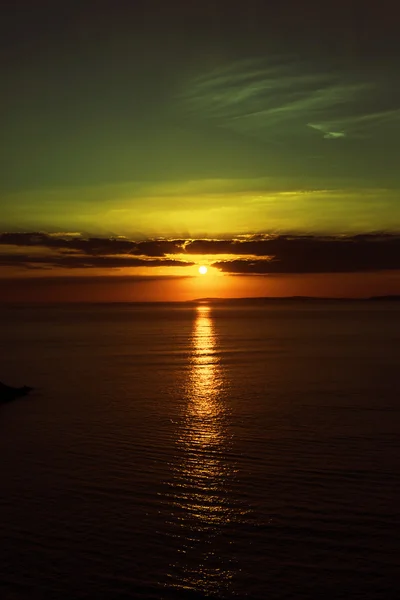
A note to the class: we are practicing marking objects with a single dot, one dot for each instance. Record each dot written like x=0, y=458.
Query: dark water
x=186, y=452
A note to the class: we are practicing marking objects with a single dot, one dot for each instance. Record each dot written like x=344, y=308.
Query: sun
x=203, y=270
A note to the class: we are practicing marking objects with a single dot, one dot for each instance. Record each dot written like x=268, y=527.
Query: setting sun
x=203, y=270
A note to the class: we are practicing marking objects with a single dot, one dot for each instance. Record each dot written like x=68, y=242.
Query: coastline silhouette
x=9, y=393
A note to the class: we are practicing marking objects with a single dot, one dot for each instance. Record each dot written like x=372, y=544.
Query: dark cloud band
x=258, y=254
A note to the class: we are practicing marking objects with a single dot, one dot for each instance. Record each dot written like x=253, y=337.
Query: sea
x=201, y=450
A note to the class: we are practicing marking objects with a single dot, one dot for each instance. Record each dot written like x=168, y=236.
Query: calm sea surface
x=189, y=451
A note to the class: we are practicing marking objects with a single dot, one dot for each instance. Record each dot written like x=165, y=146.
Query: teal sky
x=200, y=120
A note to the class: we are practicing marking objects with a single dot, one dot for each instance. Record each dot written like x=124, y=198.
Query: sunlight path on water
x=203, y=476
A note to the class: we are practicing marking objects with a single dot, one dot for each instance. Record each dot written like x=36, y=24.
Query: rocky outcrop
x=8, y=393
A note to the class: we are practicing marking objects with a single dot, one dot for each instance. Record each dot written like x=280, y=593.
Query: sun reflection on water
x=201, y=498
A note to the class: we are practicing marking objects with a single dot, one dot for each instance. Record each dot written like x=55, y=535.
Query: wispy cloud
x=363, y=125
x=327, y=133
x=285, y=96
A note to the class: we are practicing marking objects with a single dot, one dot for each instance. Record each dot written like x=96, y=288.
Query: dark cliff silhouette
x=8, y=393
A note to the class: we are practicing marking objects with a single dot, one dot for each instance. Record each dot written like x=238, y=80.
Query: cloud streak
x=83, y=262
x=285, y=97
x=93, y=246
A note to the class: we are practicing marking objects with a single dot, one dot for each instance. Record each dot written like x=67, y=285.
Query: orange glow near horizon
x=182, y=289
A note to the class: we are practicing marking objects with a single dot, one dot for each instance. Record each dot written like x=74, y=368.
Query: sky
x=143, y=139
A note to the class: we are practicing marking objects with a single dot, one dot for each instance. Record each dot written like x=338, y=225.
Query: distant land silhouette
x=305, y=299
